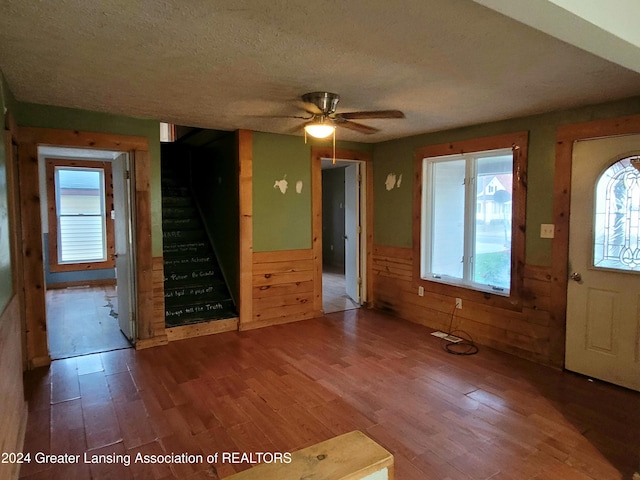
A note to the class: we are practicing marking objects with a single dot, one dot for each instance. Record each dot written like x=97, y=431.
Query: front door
x=603, y=296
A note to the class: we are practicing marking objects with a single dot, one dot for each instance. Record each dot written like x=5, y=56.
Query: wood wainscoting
x=524, y=333
x=284, y=289
x=13, y=421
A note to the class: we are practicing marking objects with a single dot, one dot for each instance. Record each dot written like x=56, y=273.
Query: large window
x=470, y=215
x=466, y=220
x=80, y=224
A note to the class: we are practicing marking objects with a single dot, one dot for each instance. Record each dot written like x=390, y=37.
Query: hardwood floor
x=83, y=320
x=277, y=389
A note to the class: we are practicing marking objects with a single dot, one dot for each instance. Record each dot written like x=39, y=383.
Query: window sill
x=78, y=267
x=512, y=302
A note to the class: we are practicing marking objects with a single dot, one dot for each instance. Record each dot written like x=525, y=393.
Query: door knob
x=576, y=277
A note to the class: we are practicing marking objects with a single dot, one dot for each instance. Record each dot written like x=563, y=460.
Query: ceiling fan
x=324, y=119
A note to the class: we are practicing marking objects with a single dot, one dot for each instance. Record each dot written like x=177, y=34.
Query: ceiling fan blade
x=296, y=129
x=358, y=127
x=281, y=116
x=372, y=114
x=309, y=108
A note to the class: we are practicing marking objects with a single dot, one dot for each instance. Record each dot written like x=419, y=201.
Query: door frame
x=29, y=138
x=317, y=154
x=566, y=135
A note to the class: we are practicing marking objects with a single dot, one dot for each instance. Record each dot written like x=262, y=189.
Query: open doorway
x=87, y=244
x=342, y=234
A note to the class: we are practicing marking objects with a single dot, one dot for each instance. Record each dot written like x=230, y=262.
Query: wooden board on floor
x=351, y=456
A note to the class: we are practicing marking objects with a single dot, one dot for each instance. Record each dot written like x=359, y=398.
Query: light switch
x=547, y=230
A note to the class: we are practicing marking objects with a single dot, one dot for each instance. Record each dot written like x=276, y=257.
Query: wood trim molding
x=15, y=225
x=75, y=138
x=519, y=142
x=317, y=154
x=566, y=135
x=33, y=273
x=245, y=162
x=54, y=264
x=141, y=177
x=29, y=196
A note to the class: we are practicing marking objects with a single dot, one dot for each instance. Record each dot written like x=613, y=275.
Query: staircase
x=194, y=288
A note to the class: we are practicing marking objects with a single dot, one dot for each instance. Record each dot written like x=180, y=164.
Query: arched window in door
x=617, y=217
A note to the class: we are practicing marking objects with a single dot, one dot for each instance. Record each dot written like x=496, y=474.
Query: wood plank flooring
x=282, y=388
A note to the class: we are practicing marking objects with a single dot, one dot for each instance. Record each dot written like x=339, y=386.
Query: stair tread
x=191, y=286
x=188, y=308
x=215, y=309
x=171, y=253
x=178, y=211
x=178, y=296
x=192, y=321
x=204, y=258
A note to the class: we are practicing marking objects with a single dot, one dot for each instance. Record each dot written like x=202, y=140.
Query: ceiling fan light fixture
x=319, y=129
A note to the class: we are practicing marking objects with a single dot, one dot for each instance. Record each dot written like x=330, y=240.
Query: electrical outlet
x=459, y=303
x=421, y=291
x=547, y=230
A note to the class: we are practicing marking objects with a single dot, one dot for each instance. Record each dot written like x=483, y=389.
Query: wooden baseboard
x=279, y=321
x=202, y=329
x=38, y=362
x=82, y=283
x=151, y=342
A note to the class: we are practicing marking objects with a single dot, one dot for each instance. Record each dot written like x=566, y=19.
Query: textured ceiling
x=235, y=64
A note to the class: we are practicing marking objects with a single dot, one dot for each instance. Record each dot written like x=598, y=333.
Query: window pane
x=447, y=224
x=617, y=218
x=80, y=205
x=79, y=192
x=492, y=243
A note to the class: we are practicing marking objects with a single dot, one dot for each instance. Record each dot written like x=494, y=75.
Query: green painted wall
x=283, y=221
x=7, y=103
x=393, y=208
x=45, y=116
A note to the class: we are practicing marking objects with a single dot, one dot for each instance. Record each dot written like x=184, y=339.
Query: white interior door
x=603, y=297
x=352, y=231
x=123, y=246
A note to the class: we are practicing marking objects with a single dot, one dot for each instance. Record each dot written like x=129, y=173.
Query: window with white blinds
x=80, y=197
x=81, y=215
